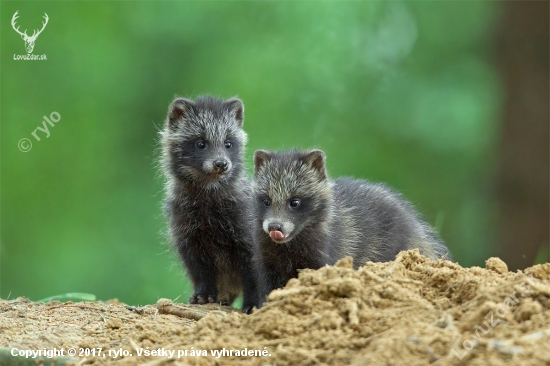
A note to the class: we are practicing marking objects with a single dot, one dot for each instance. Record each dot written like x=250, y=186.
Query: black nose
x=275, y=227
x=220, y=165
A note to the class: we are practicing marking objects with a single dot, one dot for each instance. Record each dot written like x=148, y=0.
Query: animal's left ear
x=260, y=158
x=316, y=160
x=236, y=107
x=179, y=110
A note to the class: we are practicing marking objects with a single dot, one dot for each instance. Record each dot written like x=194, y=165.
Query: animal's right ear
x=316, y=160
x=178, y=110
x=236, y=107
x=260, y=158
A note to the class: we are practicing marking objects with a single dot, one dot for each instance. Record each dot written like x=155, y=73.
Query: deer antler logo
x=29, y=41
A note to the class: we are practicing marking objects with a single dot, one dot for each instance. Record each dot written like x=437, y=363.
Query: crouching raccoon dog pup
x=208, y=197
x=303, y=219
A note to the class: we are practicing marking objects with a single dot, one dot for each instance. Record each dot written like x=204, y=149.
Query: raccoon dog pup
x=303, y=219
x=207, y=198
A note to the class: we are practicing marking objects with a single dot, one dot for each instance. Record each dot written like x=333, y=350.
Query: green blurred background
x=407, y=93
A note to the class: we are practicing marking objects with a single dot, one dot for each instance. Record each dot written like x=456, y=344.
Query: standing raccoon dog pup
x=303, y=219
x=207, y=198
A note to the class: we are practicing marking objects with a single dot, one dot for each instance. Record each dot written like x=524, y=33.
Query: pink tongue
x=276, y=235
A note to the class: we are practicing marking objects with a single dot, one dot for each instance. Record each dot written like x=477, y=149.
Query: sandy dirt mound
x=411, y=311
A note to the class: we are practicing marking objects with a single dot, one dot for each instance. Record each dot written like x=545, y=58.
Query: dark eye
x=267, y=202
x=228, y=144
x=201, y=144
x=294, y=202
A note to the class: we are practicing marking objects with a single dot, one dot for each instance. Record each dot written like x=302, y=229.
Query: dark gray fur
x=334, y=219
x=207, y=198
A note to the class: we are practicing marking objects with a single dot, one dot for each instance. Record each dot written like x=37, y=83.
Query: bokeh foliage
x=399, y=92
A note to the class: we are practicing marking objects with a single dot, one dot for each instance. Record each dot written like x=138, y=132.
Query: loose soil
x=411, y=311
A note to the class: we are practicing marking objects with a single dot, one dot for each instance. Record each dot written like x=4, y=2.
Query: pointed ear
x=316, y=160
x=178, y=110
x=236, y=107
x=260, y=158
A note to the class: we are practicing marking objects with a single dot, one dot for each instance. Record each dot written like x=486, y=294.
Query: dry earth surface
x=411, y=311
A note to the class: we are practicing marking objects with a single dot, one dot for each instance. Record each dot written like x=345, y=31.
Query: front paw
x=247, y=309
x=202, y=299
